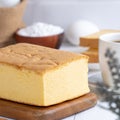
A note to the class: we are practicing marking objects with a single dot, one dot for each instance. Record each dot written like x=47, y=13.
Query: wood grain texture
x=26, y=112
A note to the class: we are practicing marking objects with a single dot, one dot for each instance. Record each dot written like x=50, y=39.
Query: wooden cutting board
x=26, y=112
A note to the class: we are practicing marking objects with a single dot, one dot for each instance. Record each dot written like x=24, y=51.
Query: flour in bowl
x=40, y=30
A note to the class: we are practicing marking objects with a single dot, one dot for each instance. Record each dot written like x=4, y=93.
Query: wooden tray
x=26, y=112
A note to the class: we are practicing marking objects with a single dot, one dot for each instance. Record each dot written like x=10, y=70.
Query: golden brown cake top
x=36, y=57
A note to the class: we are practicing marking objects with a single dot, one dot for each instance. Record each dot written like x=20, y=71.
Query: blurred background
x=104, y=13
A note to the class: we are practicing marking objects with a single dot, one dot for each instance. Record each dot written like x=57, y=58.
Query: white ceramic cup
x=109, y=57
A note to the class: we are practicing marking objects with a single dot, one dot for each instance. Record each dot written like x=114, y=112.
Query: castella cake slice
x=92, y=40
x=93, y=55
x=41, y=76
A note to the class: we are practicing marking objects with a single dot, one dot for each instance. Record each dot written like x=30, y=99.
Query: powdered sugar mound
x=40, y=30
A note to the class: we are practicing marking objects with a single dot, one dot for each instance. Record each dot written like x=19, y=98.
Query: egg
x=79, y=29
x=9, y=3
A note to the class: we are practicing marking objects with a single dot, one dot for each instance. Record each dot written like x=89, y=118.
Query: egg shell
x=79, y=29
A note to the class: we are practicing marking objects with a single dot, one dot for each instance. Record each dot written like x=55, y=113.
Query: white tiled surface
x=95, y=113
x=105, y=13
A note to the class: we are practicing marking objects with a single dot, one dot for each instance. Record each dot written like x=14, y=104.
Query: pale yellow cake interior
x=45, y=86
